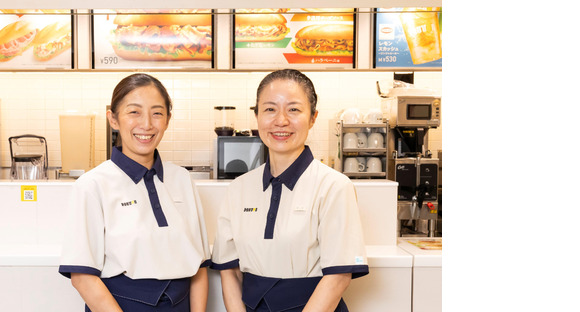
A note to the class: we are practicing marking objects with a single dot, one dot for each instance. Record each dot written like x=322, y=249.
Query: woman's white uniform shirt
x=125, y=219
x=303, y=223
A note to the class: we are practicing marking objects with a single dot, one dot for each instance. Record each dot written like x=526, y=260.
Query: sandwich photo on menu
x=52, y=40
x=15, y=38
x=260, y=27
x=163, y=37
x=325, y=40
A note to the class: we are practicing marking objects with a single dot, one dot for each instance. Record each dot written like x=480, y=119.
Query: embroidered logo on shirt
x=133, y=202
x=250, y=209
x=358, y=260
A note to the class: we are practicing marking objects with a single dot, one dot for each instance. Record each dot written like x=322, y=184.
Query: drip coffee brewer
x=411, y=114
x=224, y=120
x=29, y=155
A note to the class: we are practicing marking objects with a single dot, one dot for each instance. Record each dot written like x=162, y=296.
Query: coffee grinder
x=411, y=113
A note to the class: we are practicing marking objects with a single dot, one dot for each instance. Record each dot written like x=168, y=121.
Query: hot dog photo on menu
x=153, y=38
x=35, y=39
x=304, y=38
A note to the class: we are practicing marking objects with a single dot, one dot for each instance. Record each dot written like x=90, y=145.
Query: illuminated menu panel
x=174, y=39
x=295, y=38
x=408, y=38
x=36, y=39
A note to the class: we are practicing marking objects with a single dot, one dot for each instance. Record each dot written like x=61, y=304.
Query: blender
x=224, y=120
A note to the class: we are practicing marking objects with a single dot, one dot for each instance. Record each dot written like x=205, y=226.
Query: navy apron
x=149, y=295
x=266, y=294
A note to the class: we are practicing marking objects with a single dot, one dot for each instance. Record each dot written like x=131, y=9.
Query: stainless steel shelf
x=365, y=174
x=343, y=153
x=363, y=125
x=365, y=150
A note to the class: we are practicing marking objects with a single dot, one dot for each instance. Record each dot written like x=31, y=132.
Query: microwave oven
x=236, y=155
x=414, y=111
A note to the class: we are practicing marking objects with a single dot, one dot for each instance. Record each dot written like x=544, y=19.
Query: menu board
x=36, y=39
x=408, y=38
x=295, y=38
x=172, y=39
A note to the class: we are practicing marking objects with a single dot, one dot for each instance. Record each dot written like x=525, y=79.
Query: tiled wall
x=31, y=102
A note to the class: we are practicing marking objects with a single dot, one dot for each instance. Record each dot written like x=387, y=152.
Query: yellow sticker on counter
x=28, y=193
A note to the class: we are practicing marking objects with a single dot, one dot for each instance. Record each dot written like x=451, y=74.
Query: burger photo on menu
x=52, y=40
x=163, y=37
x=325, y=40
x=260, y=27
x=15, y=38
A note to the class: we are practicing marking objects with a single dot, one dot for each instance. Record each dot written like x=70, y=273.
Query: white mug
x=373, y=116
x=362, y=164
x=351, y=116
x=351, y=164
x=375, y=140
x=374, y=164
x=350, y=140
x=362, y=140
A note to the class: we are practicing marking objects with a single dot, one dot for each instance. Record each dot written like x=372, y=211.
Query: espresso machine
x=411, y=113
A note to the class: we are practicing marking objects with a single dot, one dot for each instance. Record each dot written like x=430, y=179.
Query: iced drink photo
x=421, y=27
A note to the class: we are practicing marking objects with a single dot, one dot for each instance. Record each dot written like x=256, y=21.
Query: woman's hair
x=133, y=82
x=293, y=75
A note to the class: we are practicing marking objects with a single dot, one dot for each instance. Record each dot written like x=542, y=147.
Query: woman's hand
x=232, y=289
x=94, y=292
x=328, y=292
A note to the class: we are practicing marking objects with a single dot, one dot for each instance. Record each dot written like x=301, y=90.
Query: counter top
x=355, y=182
x=208, y=182
x=427, y=252
x=30, y=255
x=36, y=182
x=388, y=256
x=49, y=255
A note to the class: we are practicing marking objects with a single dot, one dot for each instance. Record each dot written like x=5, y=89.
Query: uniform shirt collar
x=291, y=175
x=133, y=169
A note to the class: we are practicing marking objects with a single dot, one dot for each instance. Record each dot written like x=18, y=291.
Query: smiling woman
x=289, y=236
x=141, y=118
x=136, y=238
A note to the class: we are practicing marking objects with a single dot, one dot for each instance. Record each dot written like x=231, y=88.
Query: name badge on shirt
x=129, y=203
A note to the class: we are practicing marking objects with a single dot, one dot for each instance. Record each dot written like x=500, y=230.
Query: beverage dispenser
x=411, y=113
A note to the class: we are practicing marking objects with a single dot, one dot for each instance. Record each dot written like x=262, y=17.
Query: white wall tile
x=35, y=110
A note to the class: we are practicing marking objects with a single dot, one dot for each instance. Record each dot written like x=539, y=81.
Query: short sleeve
x=340, y=234
x=83, y=249
x=224, y=253
x=206, y=254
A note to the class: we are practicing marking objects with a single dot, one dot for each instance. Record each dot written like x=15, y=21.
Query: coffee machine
x=411, y=113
